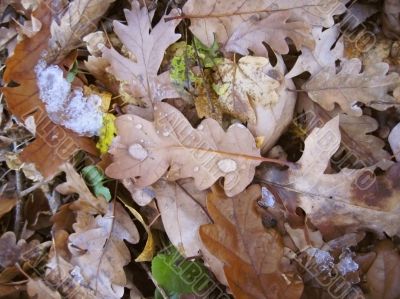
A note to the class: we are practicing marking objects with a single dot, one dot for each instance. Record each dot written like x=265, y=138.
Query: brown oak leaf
x=350, y=86
x=348, y=201
x=224, y=19
x=79, y=19
x=251, y=253
x=145, y=150
x=147, y=46
x=53, y=144
x=98, y=249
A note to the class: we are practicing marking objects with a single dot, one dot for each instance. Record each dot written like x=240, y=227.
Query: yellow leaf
x=148, y=251
x=107, y=133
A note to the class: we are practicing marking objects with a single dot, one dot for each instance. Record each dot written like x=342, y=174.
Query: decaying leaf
x=98, y=249
x=144, y=151
x=227, y=18
x=13, y=251
x=348, y=201
x=87, y=202
x=78, y=20
x=349, y=86
x=147, y=46
x=249, y=82
x=53, y=144
x=251, y=253
x=322, y=56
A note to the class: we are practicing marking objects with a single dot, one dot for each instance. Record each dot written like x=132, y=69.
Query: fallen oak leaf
x=384, y=274
x=348, y=201
x=78, y=20
x=98, y=249
x=222, y=18
x=144, y=151
x=323, y=55
x=53, y=144
x=349, y=86
x=147, y=46
x=87, y=202
x=251, y=253
x=273, y=30
x=182, y=212
x=363, y=148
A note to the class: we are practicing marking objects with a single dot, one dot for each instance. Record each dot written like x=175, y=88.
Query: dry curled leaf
x=79, y=19
x=348, y=201
x=13, y=251
x=251, y=254
x=145, y=150
x=98, y=249
x=322, y=56
x=362, y=148
x=87, y=202
x=139, y=72
x=223, y=18
x=53, y=144
x=350, y=86
x=274, y=30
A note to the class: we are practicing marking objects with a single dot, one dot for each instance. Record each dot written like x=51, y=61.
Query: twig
x=19, y=205
x=147, y=270
x=35, y=186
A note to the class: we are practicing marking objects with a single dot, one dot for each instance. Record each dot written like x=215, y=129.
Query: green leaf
x=72, y=72
x=95, y=179
x=179, y=276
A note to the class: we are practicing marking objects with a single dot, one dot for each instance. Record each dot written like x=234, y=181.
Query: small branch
x=19, y=205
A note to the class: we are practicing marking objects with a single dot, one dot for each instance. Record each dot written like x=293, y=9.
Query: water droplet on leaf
x=138, y=152
x=227, y=165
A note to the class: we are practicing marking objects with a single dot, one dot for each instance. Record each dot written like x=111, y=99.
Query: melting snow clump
x=65, y=106
x=347, y=264
x=322, y=258
x=267, y=198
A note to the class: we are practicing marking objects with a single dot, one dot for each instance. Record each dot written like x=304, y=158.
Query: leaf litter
x=255, y=142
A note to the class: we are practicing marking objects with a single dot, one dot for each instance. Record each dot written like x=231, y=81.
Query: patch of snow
x=347, y=264
x=322, y=258
x=66, y=106
x=267, y=198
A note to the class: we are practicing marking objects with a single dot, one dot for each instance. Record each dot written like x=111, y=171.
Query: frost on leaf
x=144, y=151
x=65, y=106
